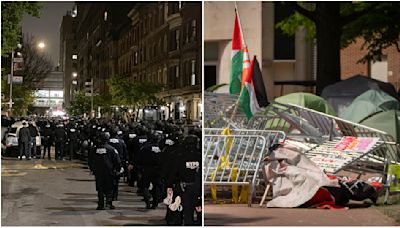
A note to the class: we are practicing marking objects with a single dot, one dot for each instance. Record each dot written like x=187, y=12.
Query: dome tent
x=341, y=94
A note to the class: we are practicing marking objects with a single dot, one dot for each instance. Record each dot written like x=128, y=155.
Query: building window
x=193, y=30
x=165, y=43
x=193, y=73
x=173, y=7
x=74, y=56
x=176, y=71
x=284, y=47
x=135, y=58
x=175, y=35
x=187, y=33
x=105, y=15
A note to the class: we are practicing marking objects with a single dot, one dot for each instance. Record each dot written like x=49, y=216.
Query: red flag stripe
x=237, y=35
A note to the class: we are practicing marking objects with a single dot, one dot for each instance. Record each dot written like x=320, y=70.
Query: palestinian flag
x=236, y=59
x=253, y=96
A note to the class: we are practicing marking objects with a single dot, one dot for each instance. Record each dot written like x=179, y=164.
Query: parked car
x=11, y=139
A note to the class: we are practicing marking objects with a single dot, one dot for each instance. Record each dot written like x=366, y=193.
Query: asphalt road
x=62, y=193
x=241, y=215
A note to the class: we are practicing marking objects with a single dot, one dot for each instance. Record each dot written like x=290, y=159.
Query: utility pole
x=11, y=82
x=92, y=112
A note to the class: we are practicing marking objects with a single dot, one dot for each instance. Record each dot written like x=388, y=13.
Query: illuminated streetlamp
x=41, y=45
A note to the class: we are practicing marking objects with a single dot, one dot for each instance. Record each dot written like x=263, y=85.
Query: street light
x=19, y=46
x=41, y=45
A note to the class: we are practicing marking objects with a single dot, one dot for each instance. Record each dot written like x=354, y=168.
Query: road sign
x=88, y=83
x=88, y=94
x=18, y=60
x=17, y=79
x=18, y=66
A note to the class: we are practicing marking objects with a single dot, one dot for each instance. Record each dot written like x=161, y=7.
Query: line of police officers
x=156, y=157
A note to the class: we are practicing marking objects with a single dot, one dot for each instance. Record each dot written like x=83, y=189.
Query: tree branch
x=305, y=12
x=354, y=16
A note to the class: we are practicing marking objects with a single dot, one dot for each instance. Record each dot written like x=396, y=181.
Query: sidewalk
x=241, y=215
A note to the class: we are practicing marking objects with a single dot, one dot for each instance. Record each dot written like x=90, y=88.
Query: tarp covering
x=387, y=121
x=341, y=94
x=307, y=100
x=369, y=103
x=294, y=178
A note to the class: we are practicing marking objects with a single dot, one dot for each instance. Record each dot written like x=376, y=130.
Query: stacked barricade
x=234, y=157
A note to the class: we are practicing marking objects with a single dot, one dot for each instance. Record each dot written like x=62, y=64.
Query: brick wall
x=350, y=56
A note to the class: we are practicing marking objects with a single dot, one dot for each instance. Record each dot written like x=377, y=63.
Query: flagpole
x=244, y=45
x=240, y=25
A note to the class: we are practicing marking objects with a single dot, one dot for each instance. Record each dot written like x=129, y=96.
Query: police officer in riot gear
x=106, y=165
x=135, y=161
x=129, y=136
x=120, y=146
x=48, y=139
x=60, y=138
x=150, y=160
x=172, y=186
x=187, y=170
x=73, y=135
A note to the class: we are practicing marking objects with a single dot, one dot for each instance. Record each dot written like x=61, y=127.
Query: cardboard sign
x=355, y=144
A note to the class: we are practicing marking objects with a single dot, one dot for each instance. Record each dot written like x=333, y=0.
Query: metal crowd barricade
x=323, y=132
x=235, y=159
x=218, y=109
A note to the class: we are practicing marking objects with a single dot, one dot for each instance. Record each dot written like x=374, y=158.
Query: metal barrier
x=322, y=129
x=233, y=160
x=218, y=109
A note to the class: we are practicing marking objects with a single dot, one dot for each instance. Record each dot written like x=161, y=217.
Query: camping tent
x=307, y=100
x=387, y=121
x=341, y=94
x=369, y=103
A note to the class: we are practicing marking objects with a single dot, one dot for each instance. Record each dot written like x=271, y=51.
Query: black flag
x=258, y=84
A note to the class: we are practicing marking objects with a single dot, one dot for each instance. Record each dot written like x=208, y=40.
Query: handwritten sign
x=356, y=144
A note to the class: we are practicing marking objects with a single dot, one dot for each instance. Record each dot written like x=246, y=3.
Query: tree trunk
x=329, y=31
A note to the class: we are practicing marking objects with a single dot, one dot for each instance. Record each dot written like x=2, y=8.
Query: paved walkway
x=41, y=192
x=241, y=215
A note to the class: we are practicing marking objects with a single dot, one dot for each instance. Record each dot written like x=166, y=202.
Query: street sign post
x=17, y=79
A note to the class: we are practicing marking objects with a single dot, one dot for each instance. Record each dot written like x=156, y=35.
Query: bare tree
x=36, y=65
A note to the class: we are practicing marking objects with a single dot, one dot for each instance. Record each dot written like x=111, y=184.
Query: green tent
x=387, y=121
x=369, y=103
x=307, y=100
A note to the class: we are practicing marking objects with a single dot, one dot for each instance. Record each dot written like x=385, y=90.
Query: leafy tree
x=35, y=68
x=128, y=93
x=11, y=16
x=80, y=104
x=22, y=97
x=335, y=25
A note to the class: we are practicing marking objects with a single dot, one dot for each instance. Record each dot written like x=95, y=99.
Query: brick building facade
x=158, y=42
x=388, y=69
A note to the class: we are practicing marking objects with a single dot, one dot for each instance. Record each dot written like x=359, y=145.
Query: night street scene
x=301, y=113
x=101, y=106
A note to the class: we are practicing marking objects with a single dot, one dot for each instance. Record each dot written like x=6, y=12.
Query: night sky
x=47, y=27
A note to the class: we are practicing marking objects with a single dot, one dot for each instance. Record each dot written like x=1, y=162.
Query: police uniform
x=73, y=135
x=188, y=169
x=106, y=164
x=150, y=161
x=48, y=138
x=129, y=139
x=120, y=146
x=169, y=174
x=60, y=137
x=136, y=161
